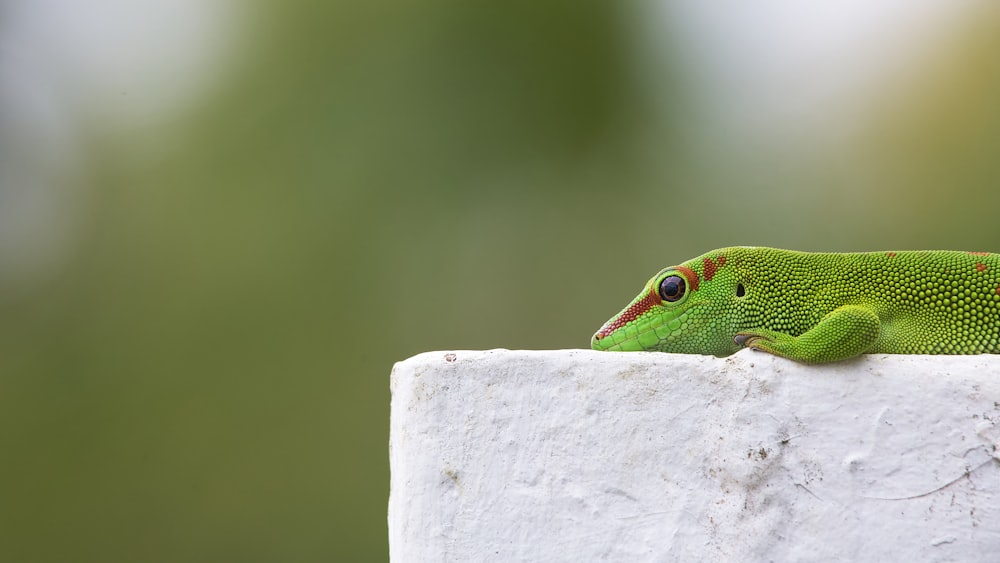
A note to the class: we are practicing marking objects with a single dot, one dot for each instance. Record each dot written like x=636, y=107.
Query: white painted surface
x=574, y=455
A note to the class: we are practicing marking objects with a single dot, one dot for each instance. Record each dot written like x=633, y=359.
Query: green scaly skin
x=815, y=307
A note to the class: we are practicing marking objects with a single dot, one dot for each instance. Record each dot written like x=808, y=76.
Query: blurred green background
x=221, y=223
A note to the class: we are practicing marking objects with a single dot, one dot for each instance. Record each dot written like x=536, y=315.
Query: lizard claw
x=749, y=339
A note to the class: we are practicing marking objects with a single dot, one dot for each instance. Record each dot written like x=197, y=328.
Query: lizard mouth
x=627, y=345
x=640, y=335
x=630, y=343
x=629, y=315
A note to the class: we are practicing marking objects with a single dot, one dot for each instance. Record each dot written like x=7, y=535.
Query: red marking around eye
x=651, y=300
x=709, y=268
x=890, y=254
x=691, y=276
x=980, y=266
x=979, y=253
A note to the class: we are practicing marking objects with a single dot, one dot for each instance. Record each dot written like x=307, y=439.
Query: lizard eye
x=672, y=288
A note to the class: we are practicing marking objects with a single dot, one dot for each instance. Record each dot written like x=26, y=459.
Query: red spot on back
x=712, y=267
x=709, y=268
x=651, y=300
x=980, y=266
x=890, y=254
x=979, y=253
x=998, y=290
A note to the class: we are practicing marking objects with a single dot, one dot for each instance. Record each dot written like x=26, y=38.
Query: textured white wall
x=574, y=455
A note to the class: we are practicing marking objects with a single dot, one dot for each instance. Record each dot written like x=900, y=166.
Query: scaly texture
x=815, y=307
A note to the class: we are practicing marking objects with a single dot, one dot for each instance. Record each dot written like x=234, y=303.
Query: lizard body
x=815, y=307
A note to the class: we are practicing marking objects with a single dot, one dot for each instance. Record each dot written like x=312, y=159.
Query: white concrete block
x=575, y=455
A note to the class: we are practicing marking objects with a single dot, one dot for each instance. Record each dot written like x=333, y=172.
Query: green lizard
x=815, y=307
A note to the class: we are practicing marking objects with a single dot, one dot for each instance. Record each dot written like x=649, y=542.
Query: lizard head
x=677, y=311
